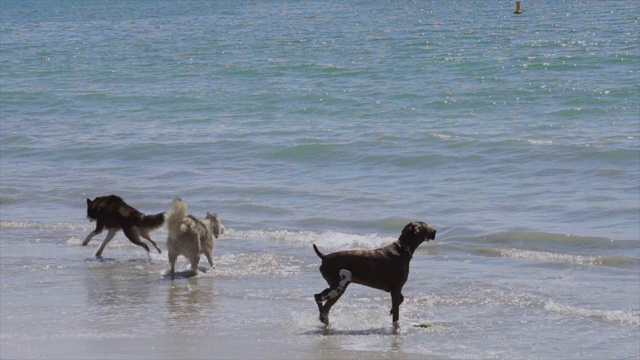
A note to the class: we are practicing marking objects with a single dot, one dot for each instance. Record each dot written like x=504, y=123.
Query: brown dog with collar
x=386, y=268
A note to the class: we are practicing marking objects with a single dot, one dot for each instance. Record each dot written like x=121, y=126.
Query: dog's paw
x=324, y=318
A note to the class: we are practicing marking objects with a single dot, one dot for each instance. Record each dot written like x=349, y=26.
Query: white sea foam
x=625, y=317
x=256, y=264
x=329, y=240
x=43, y=226
x=540, y=142
x=550, y=257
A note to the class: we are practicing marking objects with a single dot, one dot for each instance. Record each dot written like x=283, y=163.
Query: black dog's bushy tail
x=320, y=255
x=152, y=221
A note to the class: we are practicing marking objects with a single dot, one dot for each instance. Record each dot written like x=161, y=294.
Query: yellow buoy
x=518, y=10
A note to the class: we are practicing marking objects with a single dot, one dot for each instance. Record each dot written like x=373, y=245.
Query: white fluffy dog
x=189, y=236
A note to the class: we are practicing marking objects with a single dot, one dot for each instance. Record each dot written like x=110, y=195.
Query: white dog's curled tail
x=176, y=216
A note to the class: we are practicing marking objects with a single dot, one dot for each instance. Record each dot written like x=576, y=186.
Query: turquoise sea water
x=299, y=122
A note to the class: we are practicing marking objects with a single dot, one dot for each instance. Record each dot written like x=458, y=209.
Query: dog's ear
x=410, y=228
x=88, y=202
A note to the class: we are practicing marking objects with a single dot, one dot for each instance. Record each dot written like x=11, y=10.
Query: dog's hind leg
x=323, y=317
x=324, y=310
x=195, y=260
x=173, y=256
x=332, y=294
x=110, y=235
x=145, y=235
x=396, y=300
x=133, y=235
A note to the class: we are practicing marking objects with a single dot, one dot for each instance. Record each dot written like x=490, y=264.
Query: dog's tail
x=176, y=216
x=152, y=221
x=320, y=255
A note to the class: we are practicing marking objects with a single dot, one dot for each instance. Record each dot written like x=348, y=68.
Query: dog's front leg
x=88, y=238
x=209, y=259
x=98, y=230
x=110, y=235
x=396, y=300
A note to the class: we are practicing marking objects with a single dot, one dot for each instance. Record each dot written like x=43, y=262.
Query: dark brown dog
x=113, y=213
x=386, y=268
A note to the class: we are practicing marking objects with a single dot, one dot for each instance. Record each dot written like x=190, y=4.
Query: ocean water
x=516, y=136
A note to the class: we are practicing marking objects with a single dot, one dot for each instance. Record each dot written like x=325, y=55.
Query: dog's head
x=98, y=206
x=216, y=224
x=92, y=209
x=414, y=233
